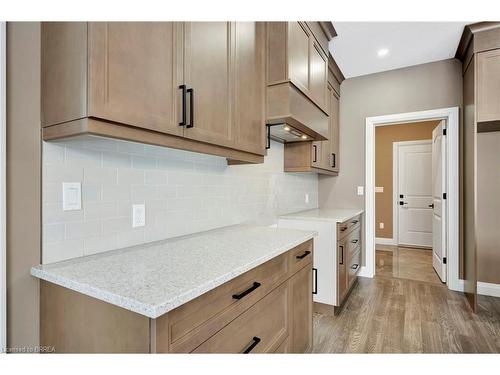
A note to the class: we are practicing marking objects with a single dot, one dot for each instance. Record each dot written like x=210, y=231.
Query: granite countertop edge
x=154, y=311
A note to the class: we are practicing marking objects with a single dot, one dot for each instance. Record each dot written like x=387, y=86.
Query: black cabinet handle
x=190, y=91
x=315, y=275
x=183, y=88
x=333, y=160
x=248, y=291
x=355, y=266
x=342, y=255
x=306, y=253
x=354, y=221
x=354, y=241
x=254, y=343
x=315, y=148
x=343, y=229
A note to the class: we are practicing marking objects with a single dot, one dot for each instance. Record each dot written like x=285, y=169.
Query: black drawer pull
x=333, y=160
x=354, y=221
x=315, y=273
x=254, y=343
x=343, y=229
x=354, y=241
x=306, y=253
x=355, y=266
x=248, y=291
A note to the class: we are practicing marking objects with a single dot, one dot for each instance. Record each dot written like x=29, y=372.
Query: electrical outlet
x=138, y=215
x=361, y=190
x=72, y=196
x=306, y=198
x=381, y=225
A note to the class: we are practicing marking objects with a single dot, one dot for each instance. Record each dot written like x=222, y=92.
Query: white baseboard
x=484, y=289
x=385, y=241
x=363, y=272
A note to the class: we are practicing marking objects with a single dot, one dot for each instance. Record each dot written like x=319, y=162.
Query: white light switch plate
x=381, y=225
x=72, y=196
x=361, y=190
x=379, y=189
x=138, y=215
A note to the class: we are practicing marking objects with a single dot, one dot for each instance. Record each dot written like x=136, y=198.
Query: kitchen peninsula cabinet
x=182, y=85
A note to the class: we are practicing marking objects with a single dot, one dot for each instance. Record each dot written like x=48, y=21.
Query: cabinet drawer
x=260, y=329
x=192, y=323
x=354, y=267
x=344, y=228
x=353, y=241
x=301, y=256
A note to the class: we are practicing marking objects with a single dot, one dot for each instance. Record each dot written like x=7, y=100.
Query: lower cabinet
x=265, y=310
x=348, y=256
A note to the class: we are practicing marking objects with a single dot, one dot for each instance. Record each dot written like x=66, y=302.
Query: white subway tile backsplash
x=183, y=192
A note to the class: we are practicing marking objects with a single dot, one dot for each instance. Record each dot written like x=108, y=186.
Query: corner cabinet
x=198, y=86
x=320, y=156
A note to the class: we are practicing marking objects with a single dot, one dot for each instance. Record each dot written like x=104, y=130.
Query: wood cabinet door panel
x=301, y=324
x=488, y=86
x=335, y=132
x=341, y=271
x=298, y=55
x=133, y=74
x=250, y=100
x=316, y=154
x=318, y=74
x=208, y=64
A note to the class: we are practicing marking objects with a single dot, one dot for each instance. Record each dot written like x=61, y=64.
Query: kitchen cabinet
x=182, y=85
x=488, y=86
x=337, y=253
x=297, y=71
x=319, y=156
x=264, y=310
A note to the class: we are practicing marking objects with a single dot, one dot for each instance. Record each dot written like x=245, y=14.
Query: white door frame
x=395, y=179
x=451, y=115
x=3, y=143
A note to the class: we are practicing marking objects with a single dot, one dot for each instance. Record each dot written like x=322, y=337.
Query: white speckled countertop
x=152, y=279
x=336, y=215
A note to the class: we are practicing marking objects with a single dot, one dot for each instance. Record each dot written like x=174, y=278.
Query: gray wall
x=23, y=182
x=416, y=88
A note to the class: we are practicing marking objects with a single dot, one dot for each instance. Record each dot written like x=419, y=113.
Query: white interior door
x=439, y=204
x=415, y=193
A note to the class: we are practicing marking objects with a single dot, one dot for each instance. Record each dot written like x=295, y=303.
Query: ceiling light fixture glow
x=382, y=52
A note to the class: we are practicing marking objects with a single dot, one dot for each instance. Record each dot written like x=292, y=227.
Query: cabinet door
x=341, y=271
x=318, y=74
x=316, y=153
x=298, y=55
x=133, y=74
x=301, y=311
x=335, y=132
x=488, y=86
x=208, y=63
x=250, y=76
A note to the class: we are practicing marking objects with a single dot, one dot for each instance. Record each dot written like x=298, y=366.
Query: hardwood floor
x=395, y=315
x=405, y=262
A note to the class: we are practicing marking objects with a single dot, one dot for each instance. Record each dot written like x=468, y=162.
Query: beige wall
x=385, y=136
x=488, y=207
x=23, y=182
x=416, y=88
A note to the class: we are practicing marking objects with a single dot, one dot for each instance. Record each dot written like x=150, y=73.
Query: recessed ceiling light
x=382, y=52
x=304, y=136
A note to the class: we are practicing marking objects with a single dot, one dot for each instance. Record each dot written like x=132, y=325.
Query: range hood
x=285, y=133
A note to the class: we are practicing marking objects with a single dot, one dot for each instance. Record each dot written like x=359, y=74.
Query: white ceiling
x=409, y=43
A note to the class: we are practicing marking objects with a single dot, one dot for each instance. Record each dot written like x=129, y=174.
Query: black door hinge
x=444, y=131
x=444, y=195
x=444, y=260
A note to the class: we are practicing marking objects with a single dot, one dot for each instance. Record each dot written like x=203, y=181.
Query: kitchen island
x=234, y=289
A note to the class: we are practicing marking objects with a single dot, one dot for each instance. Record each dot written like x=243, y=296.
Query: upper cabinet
x=198, y=86
x=320, y=156
x=297, y=71
x=488, y=86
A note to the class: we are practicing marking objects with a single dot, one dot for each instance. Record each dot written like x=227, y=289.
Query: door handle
x=431, y=205
x=401, y=203
x=183, y=88
x=190, y=91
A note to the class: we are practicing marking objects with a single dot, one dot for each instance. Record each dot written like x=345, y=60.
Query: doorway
x=449, y=223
